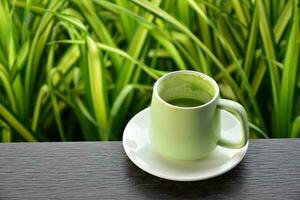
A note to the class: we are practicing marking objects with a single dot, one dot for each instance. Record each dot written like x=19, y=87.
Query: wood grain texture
x=101, y=170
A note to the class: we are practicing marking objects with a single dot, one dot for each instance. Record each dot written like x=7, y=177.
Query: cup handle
x=240, y=113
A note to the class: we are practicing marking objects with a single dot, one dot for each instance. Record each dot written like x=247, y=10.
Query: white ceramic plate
x=138, y=149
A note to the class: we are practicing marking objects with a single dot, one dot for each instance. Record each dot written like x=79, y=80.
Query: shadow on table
x=227, y=185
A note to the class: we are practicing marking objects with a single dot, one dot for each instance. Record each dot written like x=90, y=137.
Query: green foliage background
x=80, y=69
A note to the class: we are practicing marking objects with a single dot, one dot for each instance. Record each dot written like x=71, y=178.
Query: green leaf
x=296, y=128
x=258, y=130
x=268, y=44
x=184, y=13
x=89, y=11
x=258, y=76
x=4, y=79
x=56, y=108
x=120, y=101
x=14, y=123
x=283, y=20
x=164, y=41
x=95, y=81
x=42, y=95
x=6, y=135
x=290, y=67
x=127, y=23
x=251, y=43
x=36, y=49
x=134, y=49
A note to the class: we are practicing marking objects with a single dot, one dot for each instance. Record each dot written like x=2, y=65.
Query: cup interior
x=186, y=89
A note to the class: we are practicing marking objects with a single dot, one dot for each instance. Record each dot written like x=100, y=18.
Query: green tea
x=186, y=102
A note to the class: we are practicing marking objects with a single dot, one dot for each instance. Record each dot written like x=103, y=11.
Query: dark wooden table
x=101, y=170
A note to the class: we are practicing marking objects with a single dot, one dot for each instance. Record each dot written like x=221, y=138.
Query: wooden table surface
x=101, y=170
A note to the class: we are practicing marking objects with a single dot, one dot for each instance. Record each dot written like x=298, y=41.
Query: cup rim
x=208, y=78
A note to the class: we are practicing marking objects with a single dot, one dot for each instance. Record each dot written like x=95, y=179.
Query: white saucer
x=140, y=152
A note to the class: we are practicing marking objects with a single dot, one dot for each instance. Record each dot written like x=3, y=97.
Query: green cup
x=185, y=116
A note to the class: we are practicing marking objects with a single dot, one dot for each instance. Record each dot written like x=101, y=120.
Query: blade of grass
x=251, y=42
x=184, y=12
x=160, y=13
x=187, y=56
x=20, y=60
x=229, y=49
x=258, y=130
x=134, y=50
x=290, y=66
x=67, y=62
x=14, y=123
x=157, y=11
x=235, y=30
x=11, y=46
x=84, y=111
x=230, y=69
x=258, y=76
x=4, y=23
x=127, y=23
x=296, y=128
x=218, y=10
x=7, y=87
x=241, y=14
x=89, y=11
x=205, y=31
x=95, y=83
x=36, y=50
x=225, y=34
x=83, y=116
x=6, y=134
x=56, y=109
x=116, y=9
x=42, y=95
x=163, y=40
x=155, y=74
x=268, y=44
x=120, y=101
x=283, y=20
x=185, y=41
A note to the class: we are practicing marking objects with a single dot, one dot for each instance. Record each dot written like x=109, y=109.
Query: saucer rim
x=235, y=160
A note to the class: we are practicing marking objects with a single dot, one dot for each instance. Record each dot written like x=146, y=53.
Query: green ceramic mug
x=185, y=116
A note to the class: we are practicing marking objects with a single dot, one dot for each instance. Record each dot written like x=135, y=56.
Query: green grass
x=79, y=70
